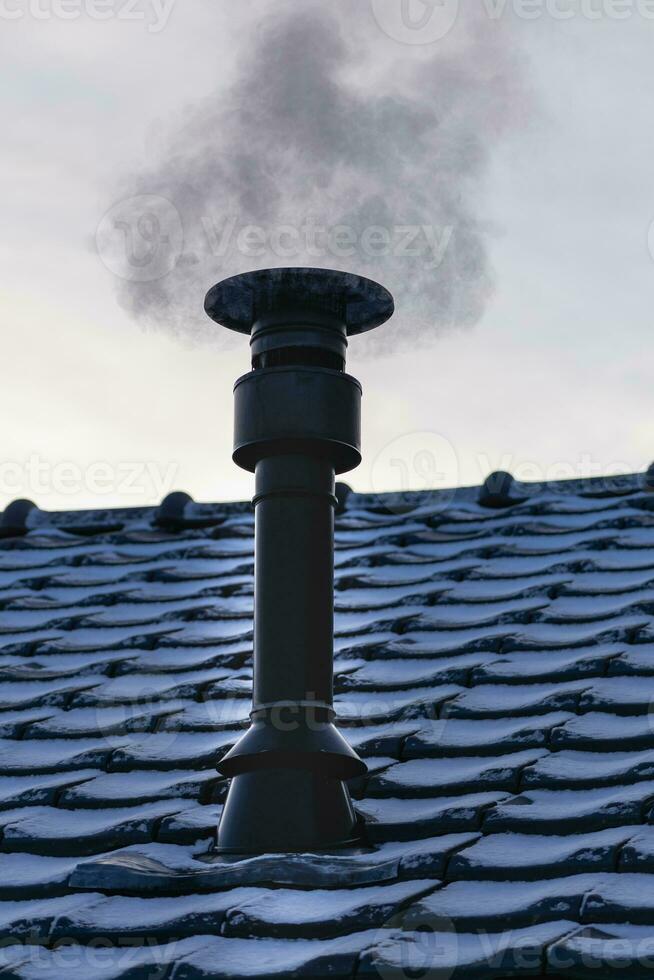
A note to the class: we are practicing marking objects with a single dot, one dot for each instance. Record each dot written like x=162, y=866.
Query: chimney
x=296, y=425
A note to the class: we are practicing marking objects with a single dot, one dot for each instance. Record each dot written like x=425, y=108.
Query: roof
x=494, y=666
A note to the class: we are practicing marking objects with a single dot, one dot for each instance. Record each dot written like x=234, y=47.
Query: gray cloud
x=343, y=149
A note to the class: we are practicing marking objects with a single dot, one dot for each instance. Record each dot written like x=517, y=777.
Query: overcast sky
x=555, y=379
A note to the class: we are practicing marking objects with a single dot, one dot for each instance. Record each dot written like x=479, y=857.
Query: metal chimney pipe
x=296, y=425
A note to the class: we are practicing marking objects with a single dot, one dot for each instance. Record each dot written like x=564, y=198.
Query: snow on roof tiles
x=495, y=666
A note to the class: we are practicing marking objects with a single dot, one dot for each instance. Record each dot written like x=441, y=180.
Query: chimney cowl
x=268, y=295
x=296, y=424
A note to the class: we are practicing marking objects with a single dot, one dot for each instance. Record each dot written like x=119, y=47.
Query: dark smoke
x=330, y=125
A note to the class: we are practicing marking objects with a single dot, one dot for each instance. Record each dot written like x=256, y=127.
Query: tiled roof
x=494, y=666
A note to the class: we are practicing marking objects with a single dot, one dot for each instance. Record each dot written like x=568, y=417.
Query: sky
x=541, y=151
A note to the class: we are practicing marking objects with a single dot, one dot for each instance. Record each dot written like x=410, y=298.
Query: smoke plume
x=334, y=146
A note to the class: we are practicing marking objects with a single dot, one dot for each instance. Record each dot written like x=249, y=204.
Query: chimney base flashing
x=349, y=864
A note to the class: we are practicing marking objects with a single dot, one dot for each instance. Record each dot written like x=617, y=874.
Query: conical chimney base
x=282, y=810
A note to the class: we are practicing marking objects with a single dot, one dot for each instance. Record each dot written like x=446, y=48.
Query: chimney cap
x=240, y=301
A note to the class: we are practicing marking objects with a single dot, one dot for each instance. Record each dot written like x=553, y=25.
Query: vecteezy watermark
x=568, y=9
x=141, y=238
x=416, y=944
x=419, y=944
x=318, y=240
x=532, y=473
x=155, y=13
x=131, y=723
x=124, y=950
x=416, y=461
x=424, y=468
x=35, y=476
x=416, y=21
x=427, y=21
